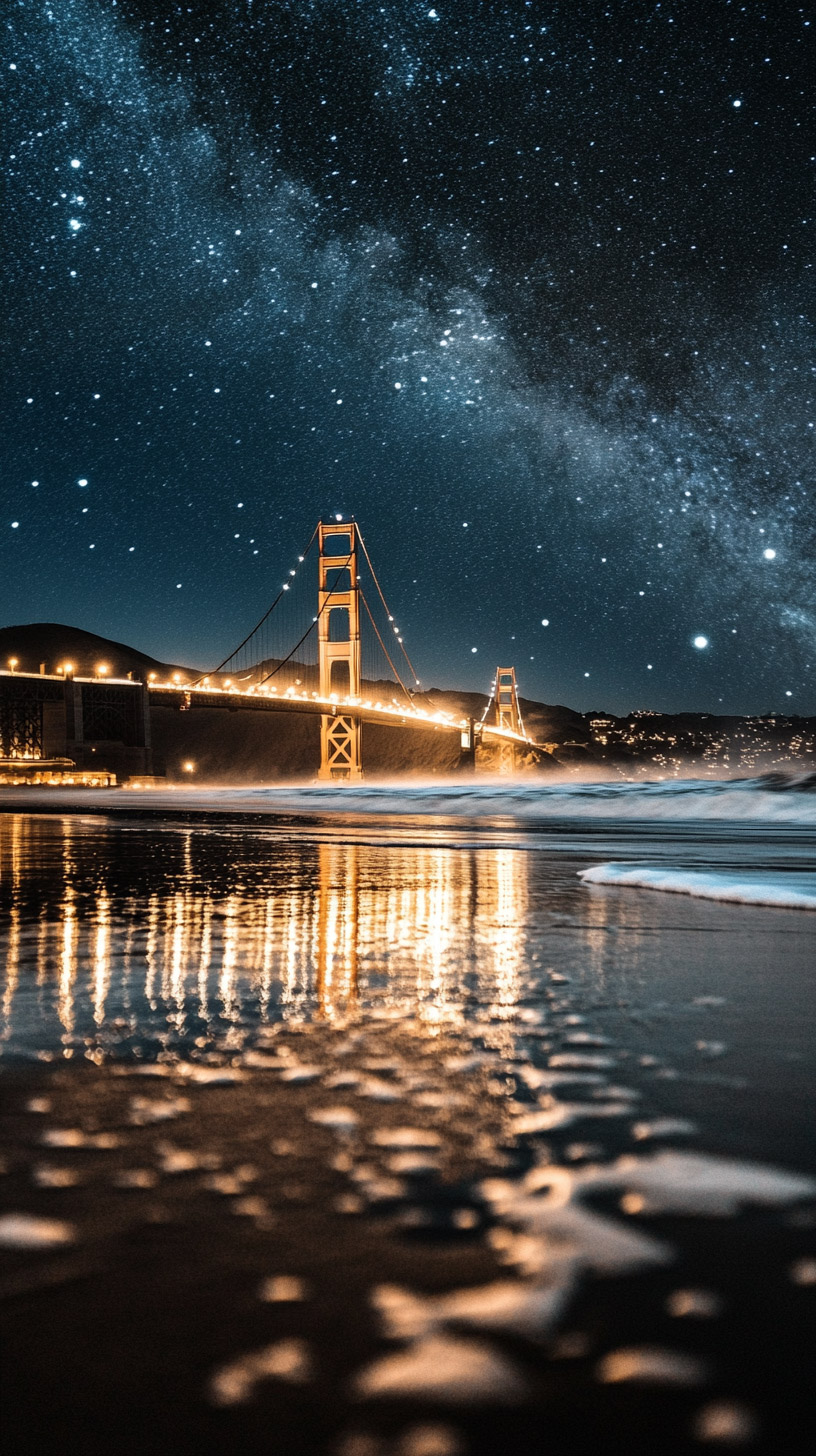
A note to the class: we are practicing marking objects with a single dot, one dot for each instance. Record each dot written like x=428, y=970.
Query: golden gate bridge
x=328, y=646
x=349, y=663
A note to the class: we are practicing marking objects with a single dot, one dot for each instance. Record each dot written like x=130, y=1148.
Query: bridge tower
x=508, y=715
x=338, y=638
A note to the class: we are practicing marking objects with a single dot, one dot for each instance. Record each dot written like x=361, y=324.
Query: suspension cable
x=258, y=625
x=383, y=646
x=341, y=566
x=385, y=605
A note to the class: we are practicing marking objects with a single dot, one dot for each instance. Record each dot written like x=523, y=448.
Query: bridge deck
x=394, y=714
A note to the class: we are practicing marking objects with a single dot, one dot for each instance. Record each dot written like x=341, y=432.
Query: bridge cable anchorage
x=385, y=605
x=267, y=614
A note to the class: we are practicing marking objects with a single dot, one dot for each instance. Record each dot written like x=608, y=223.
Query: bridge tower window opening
x=339, y=624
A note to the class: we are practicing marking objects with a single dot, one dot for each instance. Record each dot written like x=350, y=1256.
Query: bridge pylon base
x=340, y=748
x=507, y=757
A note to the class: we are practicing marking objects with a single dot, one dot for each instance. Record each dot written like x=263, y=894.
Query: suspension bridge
x=348, y=664
x=328, y=646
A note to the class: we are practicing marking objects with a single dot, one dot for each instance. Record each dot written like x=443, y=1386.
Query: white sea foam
x=796, y=891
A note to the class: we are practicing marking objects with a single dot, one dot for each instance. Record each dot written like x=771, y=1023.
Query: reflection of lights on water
x=412, y=927
x=70, y=937
x=101, y=958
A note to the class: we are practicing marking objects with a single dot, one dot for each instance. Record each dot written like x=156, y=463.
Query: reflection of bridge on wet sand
x=348, y=665
x=202, y=947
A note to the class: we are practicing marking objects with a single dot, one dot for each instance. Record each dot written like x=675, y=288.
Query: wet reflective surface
x=576, y=1120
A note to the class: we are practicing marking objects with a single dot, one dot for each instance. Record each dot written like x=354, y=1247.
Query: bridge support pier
x=338, y=638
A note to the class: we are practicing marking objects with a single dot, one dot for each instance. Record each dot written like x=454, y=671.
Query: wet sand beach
x=393, y=1137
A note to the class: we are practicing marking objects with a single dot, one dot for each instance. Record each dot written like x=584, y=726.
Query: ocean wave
x=795, y=891
x=767, y=799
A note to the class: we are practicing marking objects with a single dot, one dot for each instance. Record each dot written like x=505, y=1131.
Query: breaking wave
x=791, y=891
x=768, y=799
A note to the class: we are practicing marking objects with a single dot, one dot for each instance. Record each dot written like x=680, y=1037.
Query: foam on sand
x=788, y=891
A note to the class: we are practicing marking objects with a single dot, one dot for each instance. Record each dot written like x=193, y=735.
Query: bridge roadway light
x=12, y=662
x=189, y=766
x=101, y=669
x=66, y=668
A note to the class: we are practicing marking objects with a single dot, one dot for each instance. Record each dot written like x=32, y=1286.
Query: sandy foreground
x=537, y=1176
x=248, y=1255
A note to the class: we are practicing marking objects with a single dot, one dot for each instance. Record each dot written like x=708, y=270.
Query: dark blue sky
x=525, y=287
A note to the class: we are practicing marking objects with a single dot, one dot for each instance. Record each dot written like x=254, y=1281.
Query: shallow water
x=126, y=937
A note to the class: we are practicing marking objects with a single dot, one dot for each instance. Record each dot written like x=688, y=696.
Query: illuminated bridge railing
x=291, y=700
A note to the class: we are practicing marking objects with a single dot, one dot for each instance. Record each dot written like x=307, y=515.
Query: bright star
x=769, y=554
x=700, y=642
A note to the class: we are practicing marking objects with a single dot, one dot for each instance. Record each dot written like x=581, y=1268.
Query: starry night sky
x=526, y=287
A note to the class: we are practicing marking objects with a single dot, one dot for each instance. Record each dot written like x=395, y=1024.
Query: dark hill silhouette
x=54, y=643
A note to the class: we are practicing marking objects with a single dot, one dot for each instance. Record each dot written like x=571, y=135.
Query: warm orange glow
x=189, y=766
x=101, y=669
x=66, y=667
x=12, y=662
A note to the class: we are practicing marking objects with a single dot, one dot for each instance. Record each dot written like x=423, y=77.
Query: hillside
x=53, y=643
